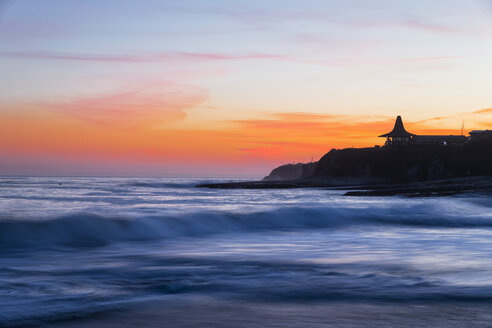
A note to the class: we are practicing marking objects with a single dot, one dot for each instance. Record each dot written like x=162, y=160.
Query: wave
x=89, y=230
x=231, y=280
x=161, y=184
x=186, y=183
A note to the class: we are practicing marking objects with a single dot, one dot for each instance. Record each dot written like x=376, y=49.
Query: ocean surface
x=126, y=252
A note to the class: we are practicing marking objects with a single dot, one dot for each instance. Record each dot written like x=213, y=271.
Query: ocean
x=126, y=252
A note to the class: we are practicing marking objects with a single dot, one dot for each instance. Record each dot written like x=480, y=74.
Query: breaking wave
x=90, y=230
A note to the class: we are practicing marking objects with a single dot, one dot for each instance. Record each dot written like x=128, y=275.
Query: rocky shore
x=445, y=187
x=431, y=170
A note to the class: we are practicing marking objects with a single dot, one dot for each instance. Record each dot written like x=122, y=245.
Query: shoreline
x=202, y=311
x=431, y=188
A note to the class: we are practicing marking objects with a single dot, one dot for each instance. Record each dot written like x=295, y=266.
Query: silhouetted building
x=399, y=137
x=480, y=134
x=438, y=139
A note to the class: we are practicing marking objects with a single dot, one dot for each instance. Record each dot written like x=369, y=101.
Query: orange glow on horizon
x=272, y=140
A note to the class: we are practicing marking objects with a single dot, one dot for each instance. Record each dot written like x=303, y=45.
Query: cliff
x=414, y=170
x=291, y=172
x=395, y=165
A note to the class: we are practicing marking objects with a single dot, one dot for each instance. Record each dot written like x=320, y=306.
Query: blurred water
x=72, y=247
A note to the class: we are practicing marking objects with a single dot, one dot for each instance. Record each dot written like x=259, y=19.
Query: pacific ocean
x=125, y=252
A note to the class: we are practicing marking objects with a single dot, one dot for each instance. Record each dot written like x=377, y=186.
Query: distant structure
x=400, y=137
x=476, y=135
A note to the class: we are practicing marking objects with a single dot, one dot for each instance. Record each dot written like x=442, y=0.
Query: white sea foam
x=70, y=247
x=82, y=230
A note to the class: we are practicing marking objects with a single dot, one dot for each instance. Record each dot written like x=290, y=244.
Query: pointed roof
x=398, y=130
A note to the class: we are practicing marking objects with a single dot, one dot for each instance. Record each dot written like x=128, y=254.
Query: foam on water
x=83, y=230
x=70, y=247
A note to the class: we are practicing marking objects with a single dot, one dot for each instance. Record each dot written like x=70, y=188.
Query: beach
x=213, y=313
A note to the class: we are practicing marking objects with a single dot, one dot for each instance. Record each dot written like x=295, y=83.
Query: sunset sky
x=231, y=87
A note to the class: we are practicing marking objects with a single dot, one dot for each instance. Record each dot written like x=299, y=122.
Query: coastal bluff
x=413, y=163
x=292, y=172
x=405, y=158
x=464, y=167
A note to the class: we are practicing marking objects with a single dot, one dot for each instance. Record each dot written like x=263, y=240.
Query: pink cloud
x=412, y=23
x=388, y=18
x=187, y=57
x=483, y=111
x=429, y=27
x=128, y=58
x=411, y=62
x=167, y=102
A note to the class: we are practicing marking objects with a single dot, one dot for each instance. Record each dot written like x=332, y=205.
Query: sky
x=231, y=87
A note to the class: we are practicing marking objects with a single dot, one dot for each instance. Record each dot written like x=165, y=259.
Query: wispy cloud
x=334, y=13
x=187, y=57
x=309, y=124
x=141, y=107
x=483, y=111
x=432, y=62
x=424, y=25
x=406, y=22
x=451, y=124
x=133, y=58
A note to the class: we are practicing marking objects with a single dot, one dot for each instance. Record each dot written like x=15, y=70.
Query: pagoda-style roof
x=398, y=131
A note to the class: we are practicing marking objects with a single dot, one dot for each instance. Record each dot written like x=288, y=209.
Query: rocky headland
x=409, y=170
